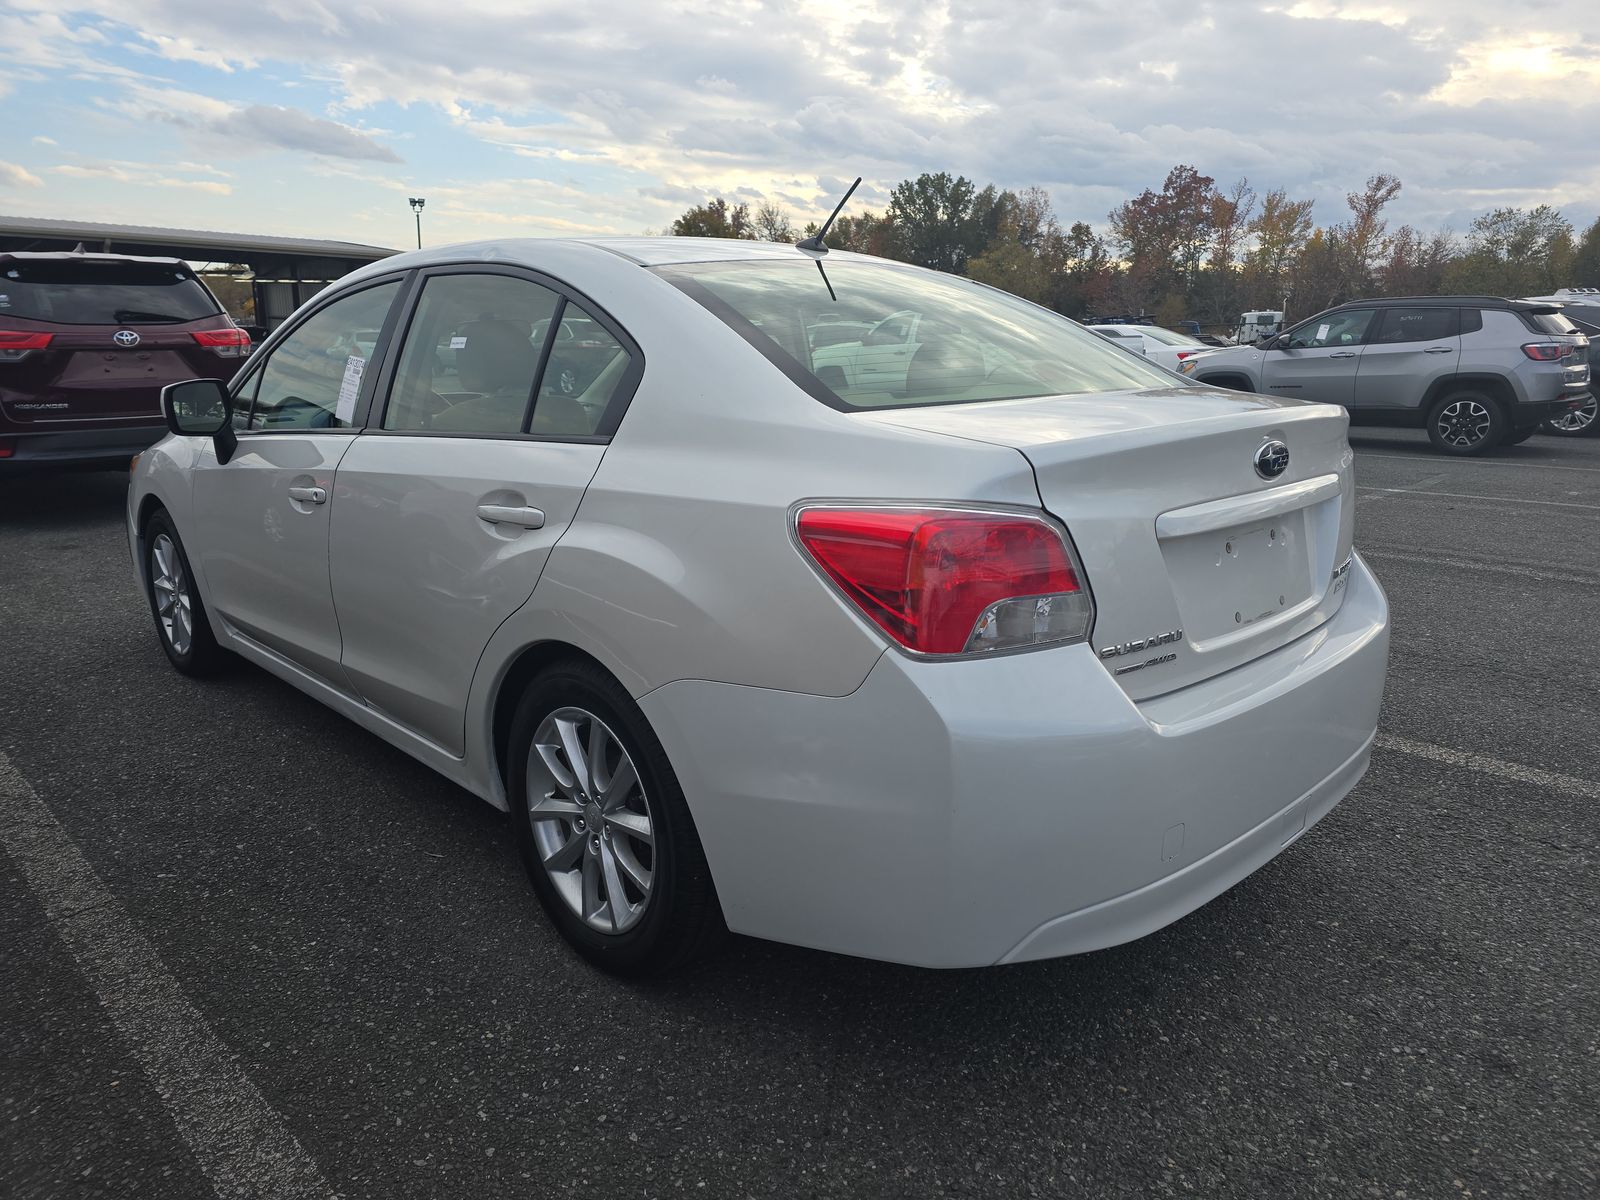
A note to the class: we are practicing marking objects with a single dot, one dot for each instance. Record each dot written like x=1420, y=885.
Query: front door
x=262, y=517
x=1319, y=358
x=446, y=510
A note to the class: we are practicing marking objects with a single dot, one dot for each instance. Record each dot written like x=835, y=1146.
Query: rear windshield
x=890, y=336
x=1549, y=322
x=101, y=293
x=1168, y=338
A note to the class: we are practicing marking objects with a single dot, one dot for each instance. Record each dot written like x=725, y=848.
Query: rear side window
x=879, y=335
x=1416, y=325
x=90, y=292
x=1471, y=320
x=587, y=366
x=1546, y=321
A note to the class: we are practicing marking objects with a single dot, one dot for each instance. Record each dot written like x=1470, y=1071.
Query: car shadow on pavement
x=63, y=498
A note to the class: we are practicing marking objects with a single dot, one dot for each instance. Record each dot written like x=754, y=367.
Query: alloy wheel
x=567, y=382
x=591, y=820
x=174, y=607
x=1579, y=419
x=1464, y=423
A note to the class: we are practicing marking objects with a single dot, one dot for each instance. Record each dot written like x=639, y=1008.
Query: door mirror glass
x=197, y=408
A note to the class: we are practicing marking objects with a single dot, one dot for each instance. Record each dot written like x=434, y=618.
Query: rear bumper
x=969, y=813
x=61, y=448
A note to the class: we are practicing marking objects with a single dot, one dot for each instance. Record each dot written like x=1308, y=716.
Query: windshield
x=1168, y=338
x=91, y=292
x=892, y=336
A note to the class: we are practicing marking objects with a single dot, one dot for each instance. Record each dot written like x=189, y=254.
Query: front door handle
x=1439, y=350
x=1343, y=354
x=509, y=514
x=310, y=495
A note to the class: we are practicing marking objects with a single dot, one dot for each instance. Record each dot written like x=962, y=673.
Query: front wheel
x=1464, y=423
x=180, y=613
x=603, y=827
x=1580, y=422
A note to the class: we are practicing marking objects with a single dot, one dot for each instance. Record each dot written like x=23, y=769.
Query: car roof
x=1444, y=302
x=27, y=256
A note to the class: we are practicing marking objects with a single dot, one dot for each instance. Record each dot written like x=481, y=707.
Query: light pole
x=416, y=206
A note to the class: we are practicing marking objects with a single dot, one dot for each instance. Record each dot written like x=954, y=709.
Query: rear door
x=1411, y=349
x=501, y=403
x=261, y=518
x=1319, y=358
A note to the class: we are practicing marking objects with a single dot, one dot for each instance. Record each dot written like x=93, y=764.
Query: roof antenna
x=814, y=244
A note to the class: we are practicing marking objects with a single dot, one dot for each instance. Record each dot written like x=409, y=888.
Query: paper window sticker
x=458, y=343
x=350, y=388
x=1322, y=333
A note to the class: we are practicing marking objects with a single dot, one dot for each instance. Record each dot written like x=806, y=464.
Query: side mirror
x=201, y=408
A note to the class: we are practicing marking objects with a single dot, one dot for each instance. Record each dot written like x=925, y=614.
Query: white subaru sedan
x=1027, y=650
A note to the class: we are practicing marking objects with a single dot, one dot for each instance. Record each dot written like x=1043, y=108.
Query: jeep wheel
x=1464, y=423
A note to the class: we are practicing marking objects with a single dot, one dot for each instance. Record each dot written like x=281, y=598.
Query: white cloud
x=13, y=176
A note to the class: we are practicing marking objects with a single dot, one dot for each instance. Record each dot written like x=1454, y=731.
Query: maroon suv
x=87, y=342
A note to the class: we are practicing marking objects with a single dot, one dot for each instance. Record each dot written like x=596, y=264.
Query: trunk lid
x=1175, y=528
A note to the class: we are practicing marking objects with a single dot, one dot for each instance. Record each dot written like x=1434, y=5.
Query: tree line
x=1190, y=250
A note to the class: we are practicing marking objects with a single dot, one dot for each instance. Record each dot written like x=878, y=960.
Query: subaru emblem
x=126, y=338
x=1272, y=459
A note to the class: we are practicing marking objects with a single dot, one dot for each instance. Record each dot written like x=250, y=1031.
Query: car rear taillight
x=229, y=343
x=8, y=447
x=16, y=343
x=1545, y=351
x=1183, y=354
x=951, y=580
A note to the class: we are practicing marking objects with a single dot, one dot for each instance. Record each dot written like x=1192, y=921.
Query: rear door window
x=587, y=368
x=1416, y=325
x=89, y=292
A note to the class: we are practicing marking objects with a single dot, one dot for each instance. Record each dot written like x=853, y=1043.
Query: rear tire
x=1466, y=422
x=613, y=855
x=1585, y=422
x=182, y=624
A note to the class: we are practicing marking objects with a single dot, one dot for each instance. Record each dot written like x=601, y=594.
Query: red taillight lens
x=16, y=339
x=951, y=581
x=1545, y=351
x=229, y=343
x=8, y=447
x=1183, y=354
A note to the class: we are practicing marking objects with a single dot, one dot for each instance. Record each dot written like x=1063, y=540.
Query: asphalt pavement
x=345, y=963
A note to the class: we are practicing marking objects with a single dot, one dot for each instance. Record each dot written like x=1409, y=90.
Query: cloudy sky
x=520, y=117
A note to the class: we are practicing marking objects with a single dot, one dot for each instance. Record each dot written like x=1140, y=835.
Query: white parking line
x=1474, y=462
x=1411, y=491
x=240, y=1143
x=1521, y=572
x=1569, y=785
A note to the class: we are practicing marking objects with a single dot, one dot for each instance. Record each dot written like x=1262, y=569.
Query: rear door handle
x=1343, y=354
x=1439, y=350
x=311, y=495
x=509, y=514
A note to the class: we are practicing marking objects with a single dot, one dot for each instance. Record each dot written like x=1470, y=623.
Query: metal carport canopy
x=266, y=255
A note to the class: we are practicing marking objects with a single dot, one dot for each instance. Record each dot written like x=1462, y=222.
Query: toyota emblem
x=126, y=338
x=1272, y=459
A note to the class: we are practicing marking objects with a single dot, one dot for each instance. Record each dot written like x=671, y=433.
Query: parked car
x=1122, y=335
x=1475, y=371
x=1581, y=422
x=87, y=342
x=1027, y=660
x=1159, y=345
